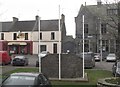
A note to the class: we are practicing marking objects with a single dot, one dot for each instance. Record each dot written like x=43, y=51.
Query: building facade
x=100, y=27
x=22, y=36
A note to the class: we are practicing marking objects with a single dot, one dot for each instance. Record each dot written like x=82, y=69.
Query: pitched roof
x=5, y=26
x=22, y=26
x=45, y=25
x=99, y=11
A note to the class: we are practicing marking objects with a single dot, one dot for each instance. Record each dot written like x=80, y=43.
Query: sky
x=46, y=9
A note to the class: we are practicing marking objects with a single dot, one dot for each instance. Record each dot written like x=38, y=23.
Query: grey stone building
x=100, y=26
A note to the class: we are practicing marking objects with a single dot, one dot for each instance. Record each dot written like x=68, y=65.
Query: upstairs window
x=86, y=28
x=14, y=36
x=2, y=36
x=26, y=36
x=40, y=36
x=103, y=28
x=52, y=35
x=111, y=12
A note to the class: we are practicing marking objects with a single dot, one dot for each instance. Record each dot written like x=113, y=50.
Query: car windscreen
x=86, y=56
x=19, y=80
x=112, y=55
x=118, y=64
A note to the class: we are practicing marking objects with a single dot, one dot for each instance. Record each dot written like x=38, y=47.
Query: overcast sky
x=46, y=9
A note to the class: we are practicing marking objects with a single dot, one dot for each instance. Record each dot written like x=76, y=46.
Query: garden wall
x=71, y=66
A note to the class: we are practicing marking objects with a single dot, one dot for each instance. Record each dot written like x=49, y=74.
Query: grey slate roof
x=5, y=26
x=22, y=26
x=99, y=11
x=46, y=25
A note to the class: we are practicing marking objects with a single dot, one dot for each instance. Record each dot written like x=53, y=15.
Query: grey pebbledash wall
x=71, y=66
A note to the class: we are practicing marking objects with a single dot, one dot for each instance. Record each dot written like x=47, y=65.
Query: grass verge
x=93, y=76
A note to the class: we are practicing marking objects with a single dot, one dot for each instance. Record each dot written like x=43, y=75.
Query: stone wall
x=71, y=66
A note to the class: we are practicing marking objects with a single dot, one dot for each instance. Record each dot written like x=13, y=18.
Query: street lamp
x=83, y=46
x=39, y=44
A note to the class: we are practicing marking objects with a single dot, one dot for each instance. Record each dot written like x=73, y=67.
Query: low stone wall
x=71, y=66
x=103, y=83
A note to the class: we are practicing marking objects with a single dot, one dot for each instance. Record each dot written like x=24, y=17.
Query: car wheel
x=24, y=64
x=3, y=64
x=27, y=64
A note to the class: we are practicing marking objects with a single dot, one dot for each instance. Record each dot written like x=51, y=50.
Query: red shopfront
x=20, y=47
x=3, y=45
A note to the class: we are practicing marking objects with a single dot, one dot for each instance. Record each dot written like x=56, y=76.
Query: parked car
x=23, y=79
x=4, y=58
x=97, y=56
x=89, y=59
x=42, y=55
x=20, y=60
x=111, y=57
x=116, y=69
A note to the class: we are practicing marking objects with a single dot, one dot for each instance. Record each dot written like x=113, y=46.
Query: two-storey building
x=22, y=36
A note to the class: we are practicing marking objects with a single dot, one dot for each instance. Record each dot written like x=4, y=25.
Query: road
x=32, y=62
x=104, y=65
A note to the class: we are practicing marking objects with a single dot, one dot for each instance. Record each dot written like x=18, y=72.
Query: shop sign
x=21, y=35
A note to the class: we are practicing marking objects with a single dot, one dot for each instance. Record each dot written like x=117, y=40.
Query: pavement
x=80, y=79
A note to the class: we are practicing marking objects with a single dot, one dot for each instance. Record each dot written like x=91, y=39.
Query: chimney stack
x=15, y=19
x=99, y=2
x=36, y=17
x=63, y=17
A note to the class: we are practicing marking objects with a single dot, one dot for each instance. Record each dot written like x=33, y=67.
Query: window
x=40, y=36
x=86, y=45
x=52, y=36
x=111, y=12
x=2, y=36
x=86, y=28
x=54, y=48
x=103, y=28
x=26, y=36
x=43, y=48
x=14, y=36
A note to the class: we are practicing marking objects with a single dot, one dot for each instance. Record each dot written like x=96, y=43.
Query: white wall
x=33, y=36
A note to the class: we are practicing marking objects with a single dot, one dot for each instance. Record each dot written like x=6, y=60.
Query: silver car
x=27, y=79
x=97, y=56
x=111, y=57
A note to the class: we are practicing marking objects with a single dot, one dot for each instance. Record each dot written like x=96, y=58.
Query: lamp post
x=59, y=46
x=83, y=46
x=39, y=44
